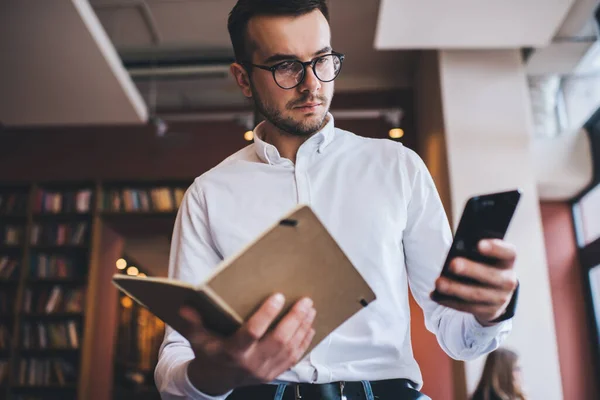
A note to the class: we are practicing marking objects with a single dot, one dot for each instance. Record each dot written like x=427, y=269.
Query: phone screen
x=484, y=217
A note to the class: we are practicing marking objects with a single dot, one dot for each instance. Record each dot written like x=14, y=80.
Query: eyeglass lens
x=291, y=73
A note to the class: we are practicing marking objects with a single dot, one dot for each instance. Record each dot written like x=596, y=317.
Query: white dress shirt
x=378, y=201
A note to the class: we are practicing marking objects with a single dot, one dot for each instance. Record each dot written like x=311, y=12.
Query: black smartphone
x=484, y=217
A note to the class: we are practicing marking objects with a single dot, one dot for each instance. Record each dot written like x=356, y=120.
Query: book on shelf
x=9, y=267
x=296, y=257
x=52, y=335
x=62, y=201
x=7, y=301
x=3, y=371
x=53, y=300
x=11, y=235
x=4, y=337
x=46, y=371
x=59, y=234
x=139, y=336
x=53, y=266
x=13, y=203
x=157, y=199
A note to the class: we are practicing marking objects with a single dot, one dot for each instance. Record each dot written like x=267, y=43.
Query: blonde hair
x=497, y=381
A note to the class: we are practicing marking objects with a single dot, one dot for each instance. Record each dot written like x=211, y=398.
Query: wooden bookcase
x=138, y=340
x=58, y=245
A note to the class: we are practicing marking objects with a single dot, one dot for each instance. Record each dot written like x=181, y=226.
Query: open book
x=296, y=257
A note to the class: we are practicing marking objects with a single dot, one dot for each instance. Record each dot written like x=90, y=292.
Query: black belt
x=392, y=389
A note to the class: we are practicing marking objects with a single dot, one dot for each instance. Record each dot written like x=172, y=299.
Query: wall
x=436, y=366
x=488, y=127
x=135, y=152
x=444, y=378
x=572, y=325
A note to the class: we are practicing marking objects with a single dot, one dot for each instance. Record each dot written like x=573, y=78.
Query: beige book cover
x=296, y=257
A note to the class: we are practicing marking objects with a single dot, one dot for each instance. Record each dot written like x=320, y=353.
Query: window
x=587, y=212
x=594, y=276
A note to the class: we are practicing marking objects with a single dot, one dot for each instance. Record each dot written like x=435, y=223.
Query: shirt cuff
x=193, y=393
x=487, y=332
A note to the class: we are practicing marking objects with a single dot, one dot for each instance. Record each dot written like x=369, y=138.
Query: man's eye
x=286, y=66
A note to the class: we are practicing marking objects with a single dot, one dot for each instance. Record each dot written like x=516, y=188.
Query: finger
x=193, y=322
x=495, y=277
x=275, y=367
x=297, y=339
x=255, y=328
x=286, y=354
x=288, y=326
x=488, y=312
x=305, y=343
x=503, y=251
x=470, y=293
x=199, y=337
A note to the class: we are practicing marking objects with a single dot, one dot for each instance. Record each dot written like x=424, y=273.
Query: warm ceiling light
x=396, y=133
x=126, y=302
x=133, y=271
x=121, y=263
x=142, y=275
x=249, y=136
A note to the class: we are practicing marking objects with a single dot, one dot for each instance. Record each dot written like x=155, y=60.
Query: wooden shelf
x=52, y=316
x=140, y=224
x=57, y=281
x=11, y=249
x=8, y=282
x=48, y=353
x=53, y=387
x=58, y=248
x=13, y=218
x=65, y=216
x=138, y=213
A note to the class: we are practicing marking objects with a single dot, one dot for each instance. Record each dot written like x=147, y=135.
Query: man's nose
x=311, y=83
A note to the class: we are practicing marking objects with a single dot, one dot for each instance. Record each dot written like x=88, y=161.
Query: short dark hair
x=244, y=10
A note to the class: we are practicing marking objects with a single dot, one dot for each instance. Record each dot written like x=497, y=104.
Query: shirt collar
x=269, y=153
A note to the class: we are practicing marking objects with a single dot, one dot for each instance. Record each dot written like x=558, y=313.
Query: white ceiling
x=72, y=76
x=468, y=24
x=573, y=40
x=201, y=26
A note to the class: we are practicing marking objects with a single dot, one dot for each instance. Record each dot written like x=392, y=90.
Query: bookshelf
x=135, y=208
x=51, y=292
x=58, y=308
x=138, y=339
x=14, y=201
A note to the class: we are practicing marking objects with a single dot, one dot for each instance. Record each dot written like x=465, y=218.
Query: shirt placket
x=302, y=179
x=315, y=370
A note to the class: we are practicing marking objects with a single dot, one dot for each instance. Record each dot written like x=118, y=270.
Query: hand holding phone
x=484, y=217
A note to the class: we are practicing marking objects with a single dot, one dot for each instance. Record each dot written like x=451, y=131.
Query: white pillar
x=488, y=127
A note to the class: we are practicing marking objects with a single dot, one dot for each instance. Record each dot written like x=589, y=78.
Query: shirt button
x=315, y=375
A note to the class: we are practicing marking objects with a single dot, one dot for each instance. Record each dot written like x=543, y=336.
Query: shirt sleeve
x=193, y=255
x=427, y=239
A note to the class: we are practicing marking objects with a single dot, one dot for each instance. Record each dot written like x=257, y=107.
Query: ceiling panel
x=197, y=29
x=468, y=24
x=62, y=68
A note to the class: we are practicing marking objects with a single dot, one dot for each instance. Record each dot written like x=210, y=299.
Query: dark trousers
x=393, y=389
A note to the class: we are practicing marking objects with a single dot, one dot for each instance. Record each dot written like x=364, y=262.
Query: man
x=375, y=197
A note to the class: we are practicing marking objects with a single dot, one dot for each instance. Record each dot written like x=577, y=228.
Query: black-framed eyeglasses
x=291, y=73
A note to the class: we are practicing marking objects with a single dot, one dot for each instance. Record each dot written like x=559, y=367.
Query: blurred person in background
x=501, y=378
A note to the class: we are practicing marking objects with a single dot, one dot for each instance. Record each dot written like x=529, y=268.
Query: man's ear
x=241, y=78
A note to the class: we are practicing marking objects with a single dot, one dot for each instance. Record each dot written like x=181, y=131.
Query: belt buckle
x=342, y=396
